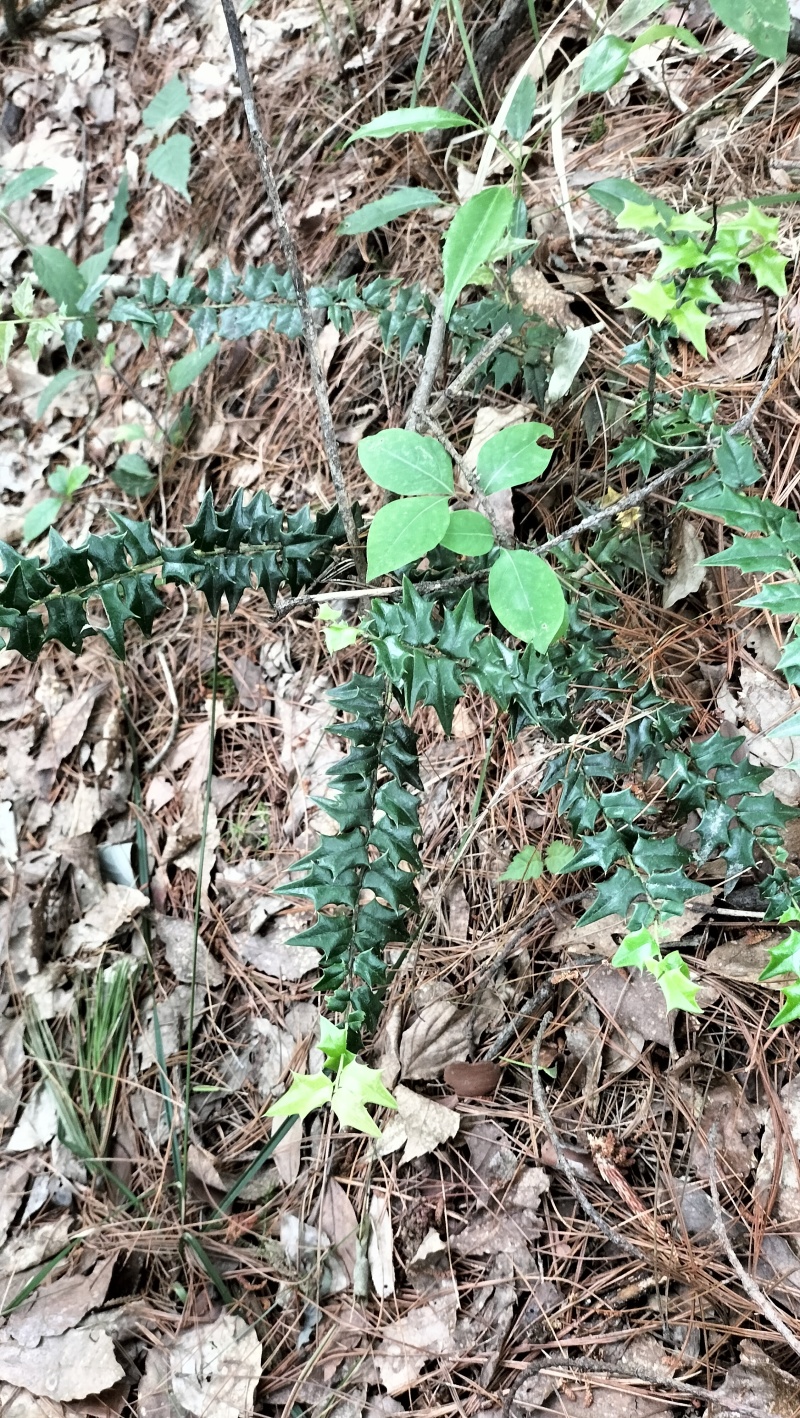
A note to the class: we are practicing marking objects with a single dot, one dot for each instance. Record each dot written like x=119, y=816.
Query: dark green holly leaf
x=714, y=751
x=754, y=554
x=624, y=806
x=614, y=896
x=658, y=854
x=672, y=889
x=713, y=830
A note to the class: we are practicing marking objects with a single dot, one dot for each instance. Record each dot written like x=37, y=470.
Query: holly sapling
x=344, y=1083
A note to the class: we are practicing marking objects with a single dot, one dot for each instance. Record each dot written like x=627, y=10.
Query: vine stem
x=289, y=250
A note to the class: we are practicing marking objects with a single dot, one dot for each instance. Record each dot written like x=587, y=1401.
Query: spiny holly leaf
x=614, y=896
x=768, y=267
x=682, y=256
x=356, y=1086
x=655, y=300
x=790, y=1009
x=637, y=950
x=690, y=322
x=333, y=1044
x=304, y=1095
x=784, y=959
x=676, y=984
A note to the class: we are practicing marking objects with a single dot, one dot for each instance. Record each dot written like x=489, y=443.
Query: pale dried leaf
x=215, y=1368
x=338, y=1219
x=786, y=1206
x=286, y=1157
x=408, y=1344
x=273, y=957
x=421, y=1124
x=30, y=1248
x=381, y=1245
x=60, y=1305
x=38, y=1123
x=65, y=1367
x=68, y=727
x=755, y=1385
x=688, y=552
x=438, y=1036
x=12, y=1059
x=725, y=1108
x=116, y=908
x=178, y=938
x=13, y=1181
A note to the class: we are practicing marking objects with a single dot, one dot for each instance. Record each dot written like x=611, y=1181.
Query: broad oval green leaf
x=387, y=209
x=468, y=534
x=188, y=368
x=513, y=456
x=605, y=63
x=133, y=474
x=167, y=106
x=170, y=163
x=403, y=531
x=526, y=596
x=765, y=23
x=41, y=516
x=24, y=184
x=409, y=120
x=58, y=275
x=472, y=236
x=406, y=462
x=653, y=33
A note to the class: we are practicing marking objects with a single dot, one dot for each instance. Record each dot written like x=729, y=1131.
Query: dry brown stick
x=291, y=258
x=433, y=355
x=751, y=1288
x=566, y=1166
x=459, y=384
x=597, y=1366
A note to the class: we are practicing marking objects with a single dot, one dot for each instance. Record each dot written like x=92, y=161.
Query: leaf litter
x=477, y=1253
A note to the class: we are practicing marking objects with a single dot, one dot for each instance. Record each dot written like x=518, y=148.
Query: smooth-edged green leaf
x=387, y=209
x=119, y=211
x=41, y=516
x=527, y=865
x=637, y=950
x=472, y=236
x=190, y=366
x=520, y=110
x=304, y=1095
x=605, y=63
x=56, y=386
x=8, y=330
x=513, y=456
x=24, y=184
x=336, y=633
x=526, y=596
x=403, y=531
x=133, y=475
x=769, y=269
x=170, y=162
x=653, y=33
x=167, y=106
x=613, y=192
x=764, y=23
x=790, y=728
x=409, y=120
x=468, y=534
x=407, y=463
x=58, y=275
x=558, y=857
x=569, y=353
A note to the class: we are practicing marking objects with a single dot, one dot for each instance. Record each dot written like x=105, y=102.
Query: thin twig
x=566, y=1166
x=470, y=478
x=532, y=1005
x=743, y=424
x=597, y=1366
x=749, y=1285
x=433, y=354
x=462, y=379
x=176, y=714
x=290, y=256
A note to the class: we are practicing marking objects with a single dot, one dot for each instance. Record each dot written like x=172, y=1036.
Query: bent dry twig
x=291, y=258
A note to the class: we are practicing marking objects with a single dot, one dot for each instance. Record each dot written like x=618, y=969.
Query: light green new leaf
x=41, y=516
x=336, y=633
x=22, y=299
x=527, y=865
x=24, y=184
x=403, y=531
x=690, y=322
x=387, y=209
x=653, y=33
x=409, y=120
x=304, y=1095
x=751, y=223
x=58, y=275
x=764, y=23
x=39, y=332
x=167, y=106
x=468, y=534
x=333, y=1044
x=526, y=596
x=604, y=64
x=639, y=216
x=356, y=1086
x=558, y=857
x=406, y=462
x=678, y=989
x=513, y=456
x=637, y=950
x=190, y=366
x=170, y=163
x=784, y=959
x=790, y=1009
x=682, y=256
x=472, y=236
x=768, y=267
x=8, y=330
x=520, y=110
x=652, y=298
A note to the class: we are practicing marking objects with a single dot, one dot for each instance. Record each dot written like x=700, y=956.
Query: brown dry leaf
x=544, y=298
x=64, y=1367
x=688, y=552
x=202, y=1166
x=381, y=1245
x=760, y=705
x=438, y=1036
x=215, y=1368
x=116, y=908
x=178, y=939
x=786, y=1206
x=61, y=1305
x=743, y=353
x=30, y=1248
x=339, y=1221
x=408, y=1344
x=493, y=1163
x=421, y=1124
x=67, y=727
x=756, y=1385
x=743, y=960
x=726, y=1108
x=493, y=1234
x=287, y=1155
x=635, y=1005
x=13, y=1181
x=12, y=1059
x=272, y=956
